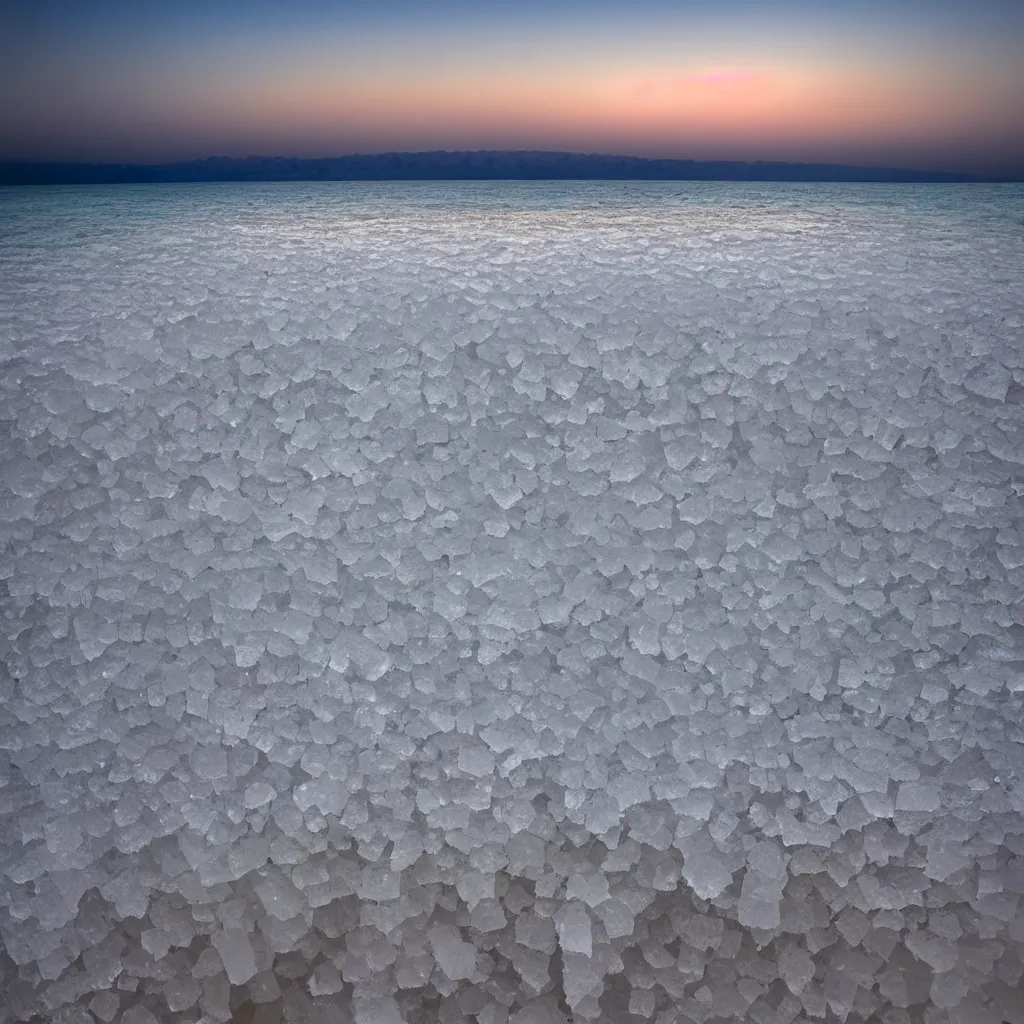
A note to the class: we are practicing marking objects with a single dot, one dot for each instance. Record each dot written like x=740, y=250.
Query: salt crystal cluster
x=514, y=606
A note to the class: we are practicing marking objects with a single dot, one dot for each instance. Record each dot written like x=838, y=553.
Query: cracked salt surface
x=512, y=604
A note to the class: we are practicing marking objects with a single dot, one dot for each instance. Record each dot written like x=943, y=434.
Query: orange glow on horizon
x=809, y=108
x=704, y=107
x=844, y=82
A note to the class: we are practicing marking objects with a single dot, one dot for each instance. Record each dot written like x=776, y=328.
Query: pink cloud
x=714, y=77
x=717, y=77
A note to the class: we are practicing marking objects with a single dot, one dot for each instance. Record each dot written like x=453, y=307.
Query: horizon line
x=20, y=171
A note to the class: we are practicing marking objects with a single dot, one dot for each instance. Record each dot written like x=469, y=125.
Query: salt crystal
x=706, y=875
x=454, y=956
x=476, y=760
x=917, y=796
x=574, y=929
x=989, y=381
x=759, y=902
x=591, y=889
x=236, y=953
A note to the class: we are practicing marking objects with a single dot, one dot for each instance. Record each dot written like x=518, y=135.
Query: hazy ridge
x=442, y=165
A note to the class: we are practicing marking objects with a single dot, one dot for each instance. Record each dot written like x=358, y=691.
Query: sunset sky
x=930, y=85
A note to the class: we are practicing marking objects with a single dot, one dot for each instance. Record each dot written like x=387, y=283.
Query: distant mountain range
x=458, y=166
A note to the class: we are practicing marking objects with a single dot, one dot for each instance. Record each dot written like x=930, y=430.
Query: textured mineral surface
x=512, y=604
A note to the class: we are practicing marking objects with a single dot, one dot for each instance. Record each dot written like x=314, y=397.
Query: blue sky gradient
x=933, y=85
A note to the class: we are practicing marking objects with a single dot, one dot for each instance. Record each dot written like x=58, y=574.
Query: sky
x=924, y=84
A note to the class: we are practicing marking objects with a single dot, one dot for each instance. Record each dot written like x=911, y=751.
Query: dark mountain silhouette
x=457, y=166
